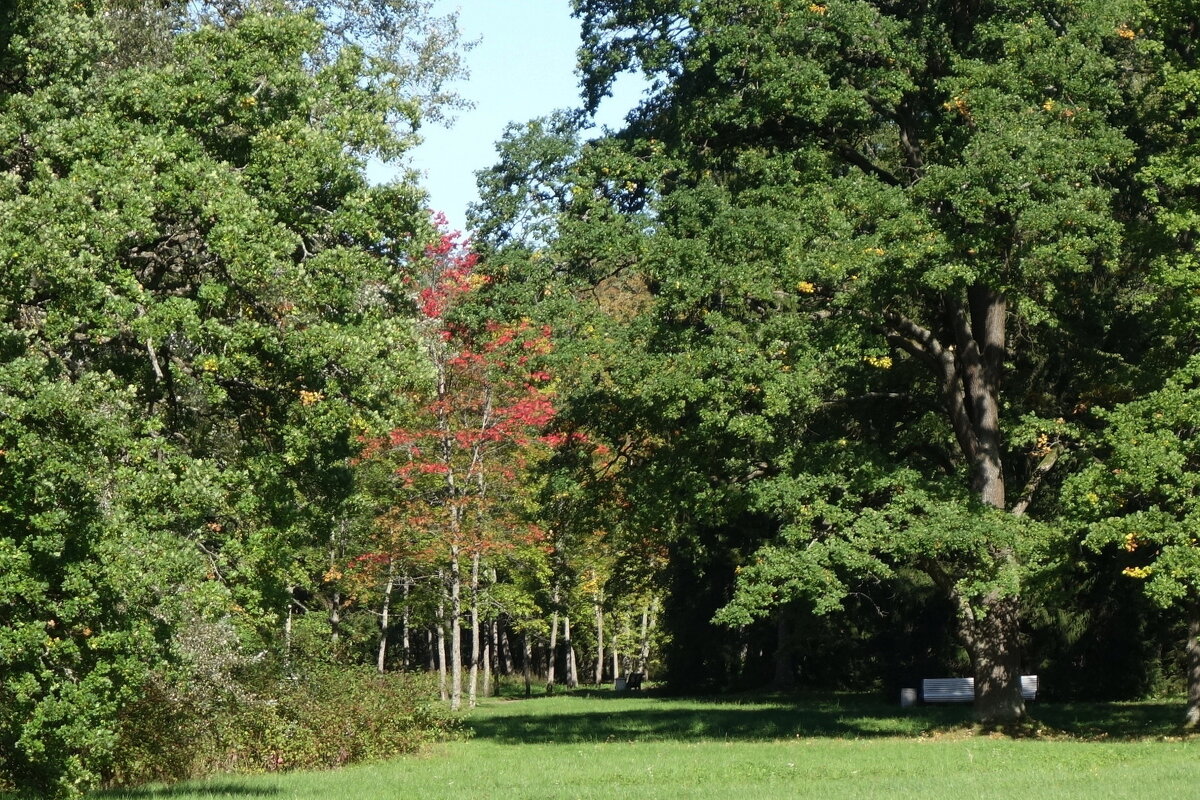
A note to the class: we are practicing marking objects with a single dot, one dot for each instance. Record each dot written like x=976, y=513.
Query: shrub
x=326, y=716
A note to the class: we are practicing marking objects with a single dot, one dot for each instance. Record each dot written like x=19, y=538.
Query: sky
x=523, y=67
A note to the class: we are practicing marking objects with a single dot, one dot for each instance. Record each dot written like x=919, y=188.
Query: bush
x=328, y=716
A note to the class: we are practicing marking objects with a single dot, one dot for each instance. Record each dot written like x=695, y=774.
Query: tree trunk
x=572, y=675
x=405, y=622
x=384, y=620
x=599, y=641
x=969, y=373
x=648, y=621
x=1192, y=717
x=996, y=658
x=526, y=658
x=476, y=650
x=616, y=659
x=441, y=645
x=505, y=653
x=456, y=681
x=335, y=617
x=553, y=654
x=489, y=657
x=287, y=628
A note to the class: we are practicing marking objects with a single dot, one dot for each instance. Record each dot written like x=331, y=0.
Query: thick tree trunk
x=996, y=658
x=969, y=372
x=1192, y=717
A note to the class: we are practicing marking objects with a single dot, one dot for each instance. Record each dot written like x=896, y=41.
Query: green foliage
x=322, y=718
x=1140, y=494
x=202, y=305
x=823, y=200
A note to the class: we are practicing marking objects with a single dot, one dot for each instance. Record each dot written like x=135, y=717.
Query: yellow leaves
x=248, y=101
x=332, y=574
x=804, y=287
x=818, y=9
x=1137, y=572
x=1093, y=498
x=1048, y=105
x=881, y=362
x=308, y=398
x=1131, y=542
x=1042, y=446
x=210, y=364
x=1125, y=32
x=959, y=106
x=875, y=251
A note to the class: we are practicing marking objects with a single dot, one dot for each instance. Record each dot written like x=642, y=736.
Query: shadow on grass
x=746, y=719
x=213, y=790
x=1135, y=720
x=762, y=718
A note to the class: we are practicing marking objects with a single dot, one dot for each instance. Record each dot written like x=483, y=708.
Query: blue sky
x=522, y=68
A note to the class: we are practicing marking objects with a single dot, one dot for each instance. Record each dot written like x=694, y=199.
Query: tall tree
x=871, y=219
x=201, y=304
x=458, y=467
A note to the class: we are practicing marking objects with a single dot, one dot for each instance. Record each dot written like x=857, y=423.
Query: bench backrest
x=950, y=690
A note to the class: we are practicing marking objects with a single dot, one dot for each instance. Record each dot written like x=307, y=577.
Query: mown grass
x=595, y=744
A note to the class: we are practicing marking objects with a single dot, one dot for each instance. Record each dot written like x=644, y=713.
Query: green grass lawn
x=598, y=745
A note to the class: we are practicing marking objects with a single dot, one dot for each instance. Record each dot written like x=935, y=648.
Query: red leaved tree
x=458, y=471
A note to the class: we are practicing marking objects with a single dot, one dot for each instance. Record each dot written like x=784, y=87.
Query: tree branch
x=866, y=165
x=1043, y=467
x=921, y=342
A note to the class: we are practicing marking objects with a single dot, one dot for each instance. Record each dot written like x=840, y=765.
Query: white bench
x=962, y=690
